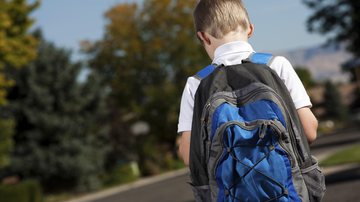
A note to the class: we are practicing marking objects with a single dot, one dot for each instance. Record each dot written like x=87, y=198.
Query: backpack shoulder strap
x=205, y=72
x=260, y=58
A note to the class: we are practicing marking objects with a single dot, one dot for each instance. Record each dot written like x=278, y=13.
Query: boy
x=223, y=27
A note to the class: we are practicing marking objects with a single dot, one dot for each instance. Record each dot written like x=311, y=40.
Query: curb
x=126, y=187
x=334, y=169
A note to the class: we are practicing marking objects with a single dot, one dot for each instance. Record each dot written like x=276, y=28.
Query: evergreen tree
x=17, y=48
x=334, y=108
x=60, y=136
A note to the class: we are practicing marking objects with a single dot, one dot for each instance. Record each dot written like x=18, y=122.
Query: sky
x=280, y=25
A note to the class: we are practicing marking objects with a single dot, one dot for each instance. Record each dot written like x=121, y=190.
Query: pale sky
x=279, y=24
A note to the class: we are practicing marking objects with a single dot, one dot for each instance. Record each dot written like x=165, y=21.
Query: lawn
x=349, y=155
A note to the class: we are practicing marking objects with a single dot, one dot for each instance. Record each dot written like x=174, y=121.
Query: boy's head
x=221, y=21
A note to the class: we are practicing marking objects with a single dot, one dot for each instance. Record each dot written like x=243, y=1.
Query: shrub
x=26, y=191
x=122, y=174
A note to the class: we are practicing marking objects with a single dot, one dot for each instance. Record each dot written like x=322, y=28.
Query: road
x=341, y=186
x=171, y=190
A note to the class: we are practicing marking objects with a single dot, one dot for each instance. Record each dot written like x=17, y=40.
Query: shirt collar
x=232, y=53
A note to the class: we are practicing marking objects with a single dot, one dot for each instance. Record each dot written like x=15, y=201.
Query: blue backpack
x=247, y=142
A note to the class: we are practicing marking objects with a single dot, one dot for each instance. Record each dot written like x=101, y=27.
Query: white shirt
x=233, y=53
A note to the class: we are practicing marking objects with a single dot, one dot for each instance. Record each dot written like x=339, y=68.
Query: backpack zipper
x=282, y=136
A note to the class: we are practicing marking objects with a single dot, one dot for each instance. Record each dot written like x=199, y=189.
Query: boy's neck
x=230, y=37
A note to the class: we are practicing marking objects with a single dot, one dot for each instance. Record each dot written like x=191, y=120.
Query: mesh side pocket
x=314, y=180
x=201, y=193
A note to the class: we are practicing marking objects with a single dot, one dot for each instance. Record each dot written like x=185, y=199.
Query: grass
x=345, y=156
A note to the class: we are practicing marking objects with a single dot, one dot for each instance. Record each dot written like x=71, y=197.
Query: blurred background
x=90, y=93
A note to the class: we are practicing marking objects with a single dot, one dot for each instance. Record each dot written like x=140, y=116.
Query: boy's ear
x=251, y=30
x=203, y=37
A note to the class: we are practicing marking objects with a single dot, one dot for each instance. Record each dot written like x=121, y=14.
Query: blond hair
x=219, y=17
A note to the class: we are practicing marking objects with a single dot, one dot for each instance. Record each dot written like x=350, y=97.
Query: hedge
x=25, y=191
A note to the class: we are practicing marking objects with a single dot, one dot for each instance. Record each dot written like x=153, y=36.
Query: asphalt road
x=171, y=190
x=343, y=185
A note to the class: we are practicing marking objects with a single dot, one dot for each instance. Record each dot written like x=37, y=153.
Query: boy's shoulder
x=278, y=59
x=269, y=59
x=281, y=65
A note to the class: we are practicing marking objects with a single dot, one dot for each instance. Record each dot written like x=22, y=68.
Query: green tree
x=17, y=48
x=146, y=53
x=340, y=19
x=305, y=76
x=60, y=133
x=334, y=107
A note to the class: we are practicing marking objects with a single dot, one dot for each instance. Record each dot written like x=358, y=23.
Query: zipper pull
x=262, y=130
x=205, y=117
x=285, y=137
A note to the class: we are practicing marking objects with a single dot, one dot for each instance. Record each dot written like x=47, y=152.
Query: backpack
x=247, y=142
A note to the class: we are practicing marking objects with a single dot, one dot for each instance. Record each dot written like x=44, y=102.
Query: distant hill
x=324, y=62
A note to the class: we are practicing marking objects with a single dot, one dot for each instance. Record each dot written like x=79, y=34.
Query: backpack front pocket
x=250, y=164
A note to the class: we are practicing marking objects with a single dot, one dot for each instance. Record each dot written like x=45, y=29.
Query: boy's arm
x=183, y=142
x=309, y=123
x=298, y=94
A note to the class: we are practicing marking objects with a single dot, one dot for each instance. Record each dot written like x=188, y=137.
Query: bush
x=122, y=174
x=26, y=191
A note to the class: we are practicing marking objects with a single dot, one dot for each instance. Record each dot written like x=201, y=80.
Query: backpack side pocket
x=201, y=193
x=314, y=180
